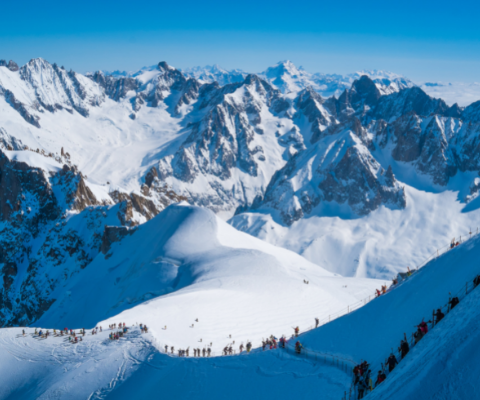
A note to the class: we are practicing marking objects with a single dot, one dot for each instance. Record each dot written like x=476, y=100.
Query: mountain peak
x=163, y=66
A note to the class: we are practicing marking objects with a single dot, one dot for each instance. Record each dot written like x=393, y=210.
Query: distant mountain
x=215, y=73
x=286, y=77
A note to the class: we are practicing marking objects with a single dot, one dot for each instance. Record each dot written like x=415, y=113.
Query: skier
x=424, y=327
x=392, y=361
x=209, y=350
x=378, y=293
x=453, y=302
x=203, y=351
x=439, y=315
x=418, y=335
x=476, y=281
x=380, y=378
x=298, y=347
x=23, y=331
x=241, y=348
x=172, y=349
x=368, y=379
x=249, y=347
x=317, y=321
x=404, y=348
x=362, y=386
x=297, y=330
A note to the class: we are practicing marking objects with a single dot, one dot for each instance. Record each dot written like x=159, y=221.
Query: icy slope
x=372, y=331
x=203, y=269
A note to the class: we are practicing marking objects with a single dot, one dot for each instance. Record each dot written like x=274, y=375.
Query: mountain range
x=85, y=159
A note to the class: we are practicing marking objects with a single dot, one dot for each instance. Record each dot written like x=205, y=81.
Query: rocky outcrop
x=9, y=142
x=115, y=88
x=11, y=65
x=21, y=108
x=340, y=169
x=113, y=234
x=411, y=100
x=362, y=96
x=154, y=197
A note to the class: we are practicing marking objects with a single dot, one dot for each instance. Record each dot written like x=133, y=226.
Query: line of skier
x=362, y=374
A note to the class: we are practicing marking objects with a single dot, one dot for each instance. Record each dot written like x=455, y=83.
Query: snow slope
x=435, y=365
x=97, y=368
x=378, y=245
x=444, y=365
x=187, y=264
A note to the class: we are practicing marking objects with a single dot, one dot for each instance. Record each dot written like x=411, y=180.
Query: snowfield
x=379, y=245
x=187, y=264
x=442, y=366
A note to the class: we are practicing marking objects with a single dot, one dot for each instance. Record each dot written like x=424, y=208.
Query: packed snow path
x=100, y=368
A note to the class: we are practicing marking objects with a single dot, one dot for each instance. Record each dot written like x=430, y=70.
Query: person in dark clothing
x=453, y=302
x=298, y=347
x=380, y=378
x=476, y=281
x=316, y=322
x=392, y=361
x=418, y=335
x=439, y=316
x=362, y=387
x=404, y=348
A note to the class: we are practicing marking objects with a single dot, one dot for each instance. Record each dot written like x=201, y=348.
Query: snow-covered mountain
x=331, y=190
x=271, y=151
x=215, y=73
x=438, y=366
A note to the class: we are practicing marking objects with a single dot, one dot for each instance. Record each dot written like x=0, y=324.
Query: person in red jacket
x=380, y=378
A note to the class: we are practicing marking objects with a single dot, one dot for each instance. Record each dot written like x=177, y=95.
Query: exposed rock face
x=406, y=101
x=339, y=168
x=115, y=88
x=155, y=196
x=113, y=234
x=11, y=65
x=39, y=247
x=363, y=94
x=472, y=112
x=21, y=108
x=310, y=104
x=9, y=142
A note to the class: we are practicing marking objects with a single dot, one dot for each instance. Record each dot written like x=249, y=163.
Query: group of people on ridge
x=361, y=372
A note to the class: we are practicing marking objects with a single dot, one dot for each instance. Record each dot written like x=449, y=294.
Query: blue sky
x=424, y=40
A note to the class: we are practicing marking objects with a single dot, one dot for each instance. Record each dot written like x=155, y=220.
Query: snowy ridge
x=207, y=268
